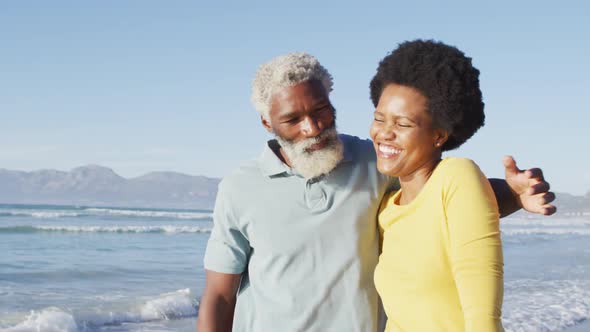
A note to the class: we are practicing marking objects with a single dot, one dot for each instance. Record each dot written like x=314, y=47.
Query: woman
x=441, y=266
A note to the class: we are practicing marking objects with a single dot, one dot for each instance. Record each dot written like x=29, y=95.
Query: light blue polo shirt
x=307, y=248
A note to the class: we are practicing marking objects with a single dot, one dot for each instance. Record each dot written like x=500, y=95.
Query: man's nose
x=311, y=127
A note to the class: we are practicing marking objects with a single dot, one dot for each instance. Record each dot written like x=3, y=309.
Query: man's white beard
x=310, y=163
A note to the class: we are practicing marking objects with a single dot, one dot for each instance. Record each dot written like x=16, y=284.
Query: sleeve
x=228, y=249
x=475, y=246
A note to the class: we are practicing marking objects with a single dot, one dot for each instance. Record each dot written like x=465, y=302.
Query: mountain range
x=95, y=185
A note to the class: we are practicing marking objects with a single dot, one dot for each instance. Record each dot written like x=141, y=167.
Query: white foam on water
x=545, y=306
x=546, y=231
x=549, y=222
x=53, y=214
x=149, y=213
x=172, y=229
x=46, y=320
x=173, y=305
x=42, y=214
x=167, y=306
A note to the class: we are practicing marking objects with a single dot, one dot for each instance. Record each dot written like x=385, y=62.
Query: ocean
x=76, y=268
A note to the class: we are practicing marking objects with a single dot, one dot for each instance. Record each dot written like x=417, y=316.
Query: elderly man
x=295, y=241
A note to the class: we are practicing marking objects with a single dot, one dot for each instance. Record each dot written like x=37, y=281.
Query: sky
x=141, y=86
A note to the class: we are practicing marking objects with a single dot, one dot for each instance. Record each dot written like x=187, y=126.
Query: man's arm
x=522, y=189
x=216, y=310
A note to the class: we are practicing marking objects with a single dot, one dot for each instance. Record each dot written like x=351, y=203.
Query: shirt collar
x=271, y=165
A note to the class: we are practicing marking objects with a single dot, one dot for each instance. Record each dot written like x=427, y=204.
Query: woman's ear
x=440, y=137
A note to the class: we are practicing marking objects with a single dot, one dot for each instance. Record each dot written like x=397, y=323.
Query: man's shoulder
x=355, y=141
x=360, y=149
x=246, y=172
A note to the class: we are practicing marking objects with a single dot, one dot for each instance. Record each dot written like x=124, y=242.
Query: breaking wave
x=105, y=212
x=173, y=305
x=172, y=229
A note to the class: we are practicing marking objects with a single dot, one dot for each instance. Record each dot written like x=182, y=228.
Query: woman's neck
x=413, y=183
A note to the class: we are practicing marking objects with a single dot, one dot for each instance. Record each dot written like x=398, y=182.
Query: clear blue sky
x=140, y=86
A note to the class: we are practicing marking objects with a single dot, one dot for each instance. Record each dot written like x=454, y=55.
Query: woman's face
x=403, y=133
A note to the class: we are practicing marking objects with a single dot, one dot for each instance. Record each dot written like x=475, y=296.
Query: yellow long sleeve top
x=441, y=266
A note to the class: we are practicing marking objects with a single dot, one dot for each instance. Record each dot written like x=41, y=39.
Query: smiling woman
x=405, y=138
x=441, y=251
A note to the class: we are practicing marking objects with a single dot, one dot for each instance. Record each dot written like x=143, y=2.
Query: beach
x=74, y=268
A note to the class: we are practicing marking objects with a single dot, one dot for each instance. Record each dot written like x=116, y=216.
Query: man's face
x=300, y=112
x=303, y=119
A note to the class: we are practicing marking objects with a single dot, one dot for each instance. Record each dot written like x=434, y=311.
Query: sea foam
x=171, y=229
x=40, y=214
x=173, y=305
x=546, y=231
x=105, y=212
x=549, y=222
x=169, y=306
x=149, y=213
x=545, y=306
x=47, y=320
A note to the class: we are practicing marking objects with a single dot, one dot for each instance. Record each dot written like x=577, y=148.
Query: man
x=295, y=241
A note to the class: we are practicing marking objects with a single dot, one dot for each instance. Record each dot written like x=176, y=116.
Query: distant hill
x=100, y=186
x=567, y=205
x=571, y=204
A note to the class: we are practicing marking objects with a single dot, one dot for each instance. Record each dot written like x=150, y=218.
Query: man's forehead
x=305, y=89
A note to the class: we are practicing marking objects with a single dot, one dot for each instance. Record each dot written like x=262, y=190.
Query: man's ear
x=266, y=124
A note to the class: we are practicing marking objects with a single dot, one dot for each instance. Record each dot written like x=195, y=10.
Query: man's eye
x=377, y=120
x=292, y=121
x=404, y=125
x=323, y=111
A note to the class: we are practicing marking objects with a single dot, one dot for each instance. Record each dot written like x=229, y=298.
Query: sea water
x=66, y=268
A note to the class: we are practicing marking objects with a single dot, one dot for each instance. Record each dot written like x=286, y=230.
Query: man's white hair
x=284, y=71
